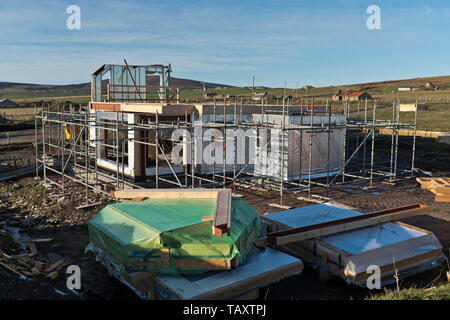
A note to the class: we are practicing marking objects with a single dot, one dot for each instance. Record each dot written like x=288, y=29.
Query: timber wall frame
x=75, y=157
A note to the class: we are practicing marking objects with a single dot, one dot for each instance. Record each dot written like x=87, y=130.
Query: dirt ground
x=38, y=212
x=18, y=136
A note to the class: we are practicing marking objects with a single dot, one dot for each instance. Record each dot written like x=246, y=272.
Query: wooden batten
x=222, y=214
x=166, y=193
x=442, y=198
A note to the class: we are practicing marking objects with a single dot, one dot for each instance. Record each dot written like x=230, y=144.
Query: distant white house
x=411, y=107
x=259, y=96
x=431, y=86
x=405, y=89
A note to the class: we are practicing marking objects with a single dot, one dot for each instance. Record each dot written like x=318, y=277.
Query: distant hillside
x=442, y=81
x=192, y=89
x=18, y=87
x=187, y=83
x=85, y=88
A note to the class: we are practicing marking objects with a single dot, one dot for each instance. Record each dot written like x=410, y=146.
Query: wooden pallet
x=439, y=186
x=262, y=268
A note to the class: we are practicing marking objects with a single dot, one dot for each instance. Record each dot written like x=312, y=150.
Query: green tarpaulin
x=169, y=236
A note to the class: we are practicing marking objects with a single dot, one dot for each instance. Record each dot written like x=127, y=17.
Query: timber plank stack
x=439, y=186
x=27, y=265
x=343, y=242
x=263, y=268
x=214, y=257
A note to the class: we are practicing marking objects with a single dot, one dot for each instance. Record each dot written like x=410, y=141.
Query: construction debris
x=53, y=275
x=25, y=265
x=42, y=240
x=55, y=266
x=89, y=205
x=280, y=206
x=310, y=200
x=439, y=186
x=33, y=249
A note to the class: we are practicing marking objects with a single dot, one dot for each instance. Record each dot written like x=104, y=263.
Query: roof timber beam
x=166, y=193
x=222, y=215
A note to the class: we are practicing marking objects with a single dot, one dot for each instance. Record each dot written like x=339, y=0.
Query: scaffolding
x=68, y=150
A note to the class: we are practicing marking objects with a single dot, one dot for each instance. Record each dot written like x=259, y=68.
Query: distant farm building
x=209, y=94
x=353, y=96
x=6, y=103
x=431, y=86
x=404, y=89
x=336, y=97
x=259, y=96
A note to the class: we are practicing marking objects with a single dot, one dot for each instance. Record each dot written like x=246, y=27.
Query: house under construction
x=137, y=135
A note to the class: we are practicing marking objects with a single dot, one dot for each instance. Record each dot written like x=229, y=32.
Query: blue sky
x=316, y=42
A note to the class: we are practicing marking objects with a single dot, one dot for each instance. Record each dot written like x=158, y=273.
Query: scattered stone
x=39, y=265
x=35, y=272
x=24, y=258
x=33, y=249
x=54, y=266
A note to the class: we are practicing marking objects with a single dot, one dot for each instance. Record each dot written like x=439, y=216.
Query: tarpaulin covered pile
x=169, y=236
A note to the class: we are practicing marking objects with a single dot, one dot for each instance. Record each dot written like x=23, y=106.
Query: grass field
x=441, y=292
x=435, y=119
x=15, y=146
x=20, y=96
x=19, y=113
